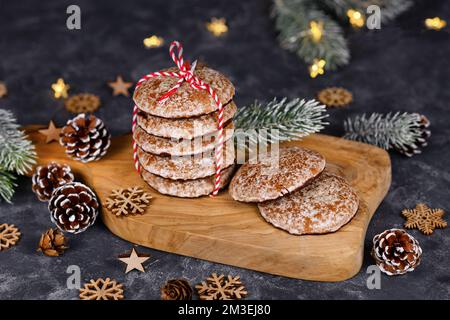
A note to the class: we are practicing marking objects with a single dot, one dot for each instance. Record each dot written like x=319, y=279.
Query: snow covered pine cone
x=48, y=178
x=396, y=252
x=85, y=138
x=73, y=207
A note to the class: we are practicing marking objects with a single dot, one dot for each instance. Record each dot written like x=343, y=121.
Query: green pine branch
x=17, y=154
x=390, y=9
x=7, y=185
x=404, y=132
x=279, y=121
x=16, y=151
x=292, y=20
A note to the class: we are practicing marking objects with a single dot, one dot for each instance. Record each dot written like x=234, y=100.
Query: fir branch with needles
x=279, y=121
x=390, y=9
x=292, y=20
x=404, y=132
x=7, y=185
x=17, y=154
x=16, y=151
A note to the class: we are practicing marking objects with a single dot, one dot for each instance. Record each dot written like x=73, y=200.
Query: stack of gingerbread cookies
x=295, y=193
x=177, y=140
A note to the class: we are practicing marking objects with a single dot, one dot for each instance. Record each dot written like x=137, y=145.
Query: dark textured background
x=401, y=67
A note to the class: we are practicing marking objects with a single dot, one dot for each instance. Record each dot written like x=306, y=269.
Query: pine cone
x=52, y=243
x=396, y=252
x=421, y=142
x=73, y=207
x=48, y=178
x=85, y=138
x=176, y=290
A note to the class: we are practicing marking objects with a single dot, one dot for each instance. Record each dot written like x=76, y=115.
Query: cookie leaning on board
x=276, y=175
x=296, y=195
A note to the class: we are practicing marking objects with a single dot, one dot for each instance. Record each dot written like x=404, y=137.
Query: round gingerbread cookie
x=187, y=188
x=184, y=128
x=324, y=205
x=186, y=101
x=185, y=167
x=273, y=176
x=179, y=147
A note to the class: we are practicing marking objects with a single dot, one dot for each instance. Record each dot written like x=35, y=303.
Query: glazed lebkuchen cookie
x=184, y=128
x=186, y=188
x=324, y=205
x=273, y=176
x=179, y=147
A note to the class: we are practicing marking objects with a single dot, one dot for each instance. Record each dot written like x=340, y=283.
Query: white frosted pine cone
x=85, y=138
x=396, y=252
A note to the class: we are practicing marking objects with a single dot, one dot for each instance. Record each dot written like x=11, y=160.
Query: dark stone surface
x=401, y=67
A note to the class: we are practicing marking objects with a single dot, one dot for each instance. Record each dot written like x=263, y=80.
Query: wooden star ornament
x=51, y=133
x=424, y=218
x=134, y=261
x=120, y=87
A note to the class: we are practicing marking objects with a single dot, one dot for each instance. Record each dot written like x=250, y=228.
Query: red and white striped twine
x=185, y=74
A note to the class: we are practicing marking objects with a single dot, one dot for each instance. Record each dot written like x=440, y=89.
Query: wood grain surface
x=225, y=231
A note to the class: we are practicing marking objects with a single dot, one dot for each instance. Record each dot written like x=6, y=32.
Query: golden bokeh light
x=217, y=27
x=316, y=30
x=317, y=68
x=153, y=42
x=435, y=23
x=355, y=18
x=60, y=89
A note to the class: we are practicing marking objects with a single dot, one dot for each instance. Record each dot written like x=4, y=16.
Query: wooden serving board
x=225, y=231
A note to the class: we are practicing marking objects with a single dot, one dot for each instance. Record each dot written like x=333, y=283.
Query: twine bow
x=185, y=73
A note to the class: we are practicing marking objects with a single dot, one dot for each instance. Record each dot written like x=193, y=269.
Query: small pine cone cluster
x=73, y=207
x=176, y=289
x=396, y=252
x=423, y=124
x=85, y=138
x=52, y=243
x=47, y=178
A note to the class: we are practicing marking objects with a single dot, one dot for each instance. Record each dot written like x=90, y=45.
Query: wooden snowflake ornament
x=82, y=102
x=424, y=218
x=9, y=235
x=220, y=288
x=335, y=97
x=131, y=200
x=102, y=290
